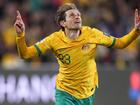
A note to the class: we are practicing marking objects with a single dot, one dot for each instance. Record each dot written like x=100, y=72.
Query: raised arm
x=24, y=51
x=131, y=36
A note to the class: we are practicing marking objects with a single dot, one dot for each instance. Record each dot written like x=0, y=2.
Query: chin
x=77, y=27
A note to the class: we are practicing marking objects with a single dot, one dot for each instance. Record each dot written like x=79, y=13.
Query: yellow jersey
x=78, y=72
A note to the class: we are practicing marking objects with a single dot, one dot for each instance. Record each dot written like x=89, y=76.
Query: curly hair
x=60, y=14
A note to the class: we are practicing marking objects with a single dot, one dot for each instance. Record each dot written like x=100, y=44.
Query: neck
x=72, y=33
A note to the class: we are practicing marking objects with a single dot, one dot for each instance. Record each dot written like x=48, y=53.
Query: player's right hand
x=137, y=19
x=19, y=24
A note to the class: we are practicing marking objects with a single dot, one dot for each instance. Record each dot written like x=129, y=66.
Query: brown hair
x=60, y=14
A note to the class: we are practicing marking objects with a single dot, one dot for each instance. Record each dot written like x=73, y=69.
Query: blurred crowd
x=114, y=17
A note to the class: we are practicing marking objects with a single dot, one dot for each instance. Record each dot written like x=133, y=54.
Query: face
x=72, y=19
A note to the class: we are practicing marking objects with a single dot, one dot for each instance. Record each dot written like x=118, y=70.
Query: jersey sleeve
x=43, y=45
x=100, y=38
x=24, y=51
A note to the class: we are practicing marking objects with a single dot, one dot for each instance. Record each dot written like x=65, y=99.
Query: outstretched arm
x=131, y=36
x=24, y=51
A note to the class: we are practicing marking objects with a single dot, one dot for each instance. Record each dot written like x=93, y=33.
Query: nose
x=77, y=17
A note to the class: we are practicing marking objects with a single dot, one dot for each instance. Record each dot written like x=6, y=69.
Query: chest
x=75, y=52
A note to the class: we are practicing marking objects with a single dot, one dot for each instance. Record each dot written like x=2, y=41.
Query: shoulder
x=86, y=28
x=54, y=35
x=93, y=29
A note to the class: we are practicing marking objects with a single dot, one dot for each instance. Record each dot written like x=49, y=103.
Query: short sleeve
x=101, y=38
x=43, y=45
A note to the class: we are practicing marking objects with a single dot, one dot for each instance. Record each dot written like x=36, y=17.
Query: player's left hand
x=137, y=19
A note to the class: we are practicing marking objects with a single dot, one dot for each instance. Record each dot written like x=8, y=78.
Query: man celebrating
x=74, y=47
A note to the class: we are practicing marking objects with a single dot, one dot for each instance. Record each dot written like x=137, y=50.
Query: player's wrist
x=137, y=27
x=20, y=34
x=137, y=30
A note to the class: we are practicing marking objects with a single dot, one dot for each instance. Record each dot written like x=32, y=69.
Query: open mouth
x=78, y=22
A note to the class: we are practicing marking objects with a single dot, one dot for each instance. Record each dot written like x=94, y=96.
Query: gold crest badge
x=85, y=47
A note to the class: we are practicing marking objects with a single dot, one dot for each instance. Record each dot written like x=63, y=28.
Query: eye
x=78, y=14
x=71, y=15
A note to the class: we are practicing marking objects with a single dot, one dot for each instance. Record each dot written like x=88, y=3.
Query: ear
x=62, y=23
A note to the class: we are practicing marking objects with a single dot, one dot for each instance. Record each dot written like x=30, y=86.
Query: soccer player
x=74, y=47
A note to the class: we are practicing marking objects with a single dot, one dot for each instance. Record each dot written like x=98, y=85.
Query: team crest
x=85, y=47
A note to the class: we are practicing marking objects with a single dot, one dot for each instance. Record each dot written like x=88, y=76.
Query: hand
x=19, y=25
x=137, y=19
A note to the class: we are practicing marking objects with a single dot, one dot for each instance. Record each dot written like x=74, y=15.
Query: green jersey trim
x=38, y=50
x=113, y=43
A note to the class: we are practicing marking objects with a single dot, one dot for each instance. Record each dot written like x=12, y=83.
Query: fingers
x=19, y=24
x=137, y=19
x=19, y=21
x=18, y=15
x=136, y=13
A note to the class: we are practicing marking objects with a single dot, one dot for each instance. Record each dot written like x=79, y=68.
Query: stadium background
x=22, y=81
